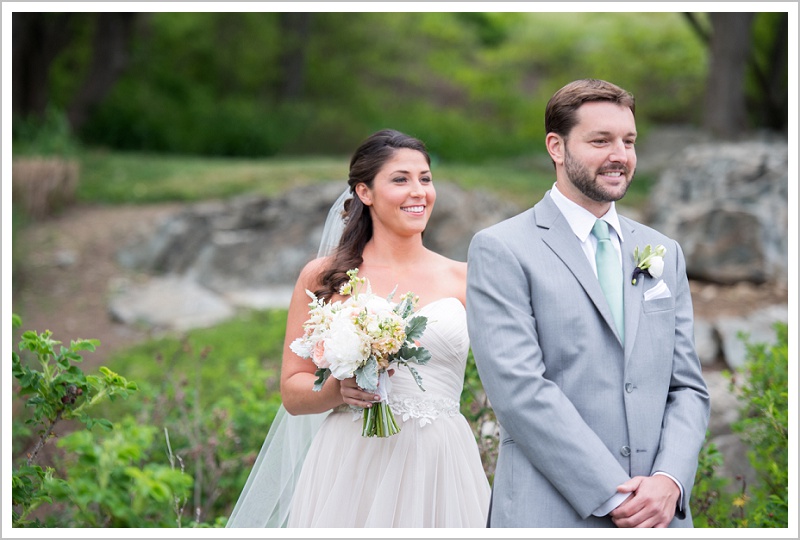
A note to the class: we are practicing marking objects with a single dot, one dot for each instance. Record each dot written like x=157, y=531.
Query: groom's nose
x=619, y=153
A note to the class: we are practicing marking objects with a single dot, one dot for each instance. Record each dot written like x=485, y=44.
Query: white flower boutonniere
x=649, y=261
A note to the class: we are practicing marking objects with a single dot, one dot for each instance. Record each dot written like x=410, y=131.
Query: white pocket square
x=660, y=290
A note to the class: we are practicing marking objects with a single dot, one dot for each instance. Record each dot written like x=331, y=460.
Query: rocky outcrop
x=727, y=203
x=248, y=251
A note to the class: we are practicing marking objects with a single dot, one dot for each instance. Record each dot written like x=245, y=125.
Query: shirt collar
x=580, y=219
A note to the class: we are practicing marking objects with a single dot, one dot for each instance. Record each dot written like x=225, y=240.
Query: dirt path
x=68, y=268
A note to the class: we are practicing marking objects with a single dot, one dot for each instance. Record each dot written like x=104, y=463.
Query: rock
x=726, y=203
x=170, y=303
x=758, y=326
x=706, y=342
x=265, y=298
x=724, y=405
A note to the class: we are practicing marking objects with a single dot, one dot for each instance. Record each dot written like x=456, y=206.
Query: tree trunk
x=295, y=31
x=725, y=113
x=37, y=38
x=110, y=56
x=775, y=85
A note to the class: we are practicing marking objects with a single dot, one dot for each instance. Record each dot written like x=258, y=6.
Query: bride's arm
x=297, y=374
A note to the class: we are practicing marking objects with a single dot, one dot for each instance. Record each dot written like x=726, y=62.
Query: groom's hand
x=653, y=502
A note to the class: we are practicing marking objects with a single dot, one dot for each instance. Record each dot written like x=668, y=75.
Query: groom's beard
x=587, y=184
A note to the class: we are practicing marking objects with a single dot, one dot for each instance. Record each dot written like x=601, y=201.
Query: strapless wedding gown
x=428, y=475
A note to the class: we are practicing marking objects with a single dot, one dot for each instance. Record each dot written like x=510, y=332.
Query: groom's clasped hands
x=651, y=503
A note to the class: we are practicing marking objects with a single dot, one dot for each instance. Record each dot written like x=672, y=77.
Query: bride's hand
x=352, y=394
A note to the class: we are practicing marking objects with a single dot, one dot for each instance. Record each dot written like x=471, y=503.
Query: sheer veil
x=267, y=494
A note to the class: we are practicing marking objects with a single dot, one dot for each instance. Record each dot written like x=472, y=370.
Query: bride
x=427, y=475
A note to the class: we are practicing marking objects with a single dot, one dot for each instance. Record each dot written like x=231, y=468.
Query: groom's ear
x=555, y=147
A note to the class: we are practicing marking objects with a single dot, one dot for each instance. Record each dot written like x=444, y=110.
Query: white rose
x=380, y=307
x=656, y=266
x=343, y=348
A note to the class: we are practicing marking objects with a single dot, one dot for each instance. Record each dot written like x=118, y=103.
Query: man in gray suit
x=581, y=326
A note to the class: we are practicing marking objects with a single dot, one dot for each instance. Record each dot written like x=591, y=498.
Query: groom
x=594, y=378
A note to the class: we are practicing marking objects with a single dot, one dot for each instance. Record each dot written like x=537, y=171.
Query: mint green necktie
x=609, y=272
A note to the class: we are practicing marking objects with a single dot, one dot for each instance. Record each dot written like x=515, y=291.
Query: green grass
x=212, y=354
x=133, y=178
x=256, y=334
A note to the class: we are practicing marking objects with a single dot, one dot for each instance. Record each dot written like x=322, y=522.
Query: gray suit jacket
x=579, y=413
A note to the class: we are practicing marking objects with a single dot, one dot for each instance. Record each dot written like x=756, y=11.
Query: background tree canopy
x=472, y=85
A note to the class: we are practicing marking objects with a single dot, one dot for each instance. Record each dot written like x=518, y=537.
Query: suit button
x=625, y=451
x=628, y=387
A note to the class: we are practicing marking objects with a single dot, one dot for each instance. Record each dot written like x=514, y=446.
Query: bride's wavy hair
x=367, y=161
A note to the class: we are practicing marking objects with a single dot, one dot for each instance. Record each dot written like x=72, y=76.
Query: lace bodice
x=443, y=376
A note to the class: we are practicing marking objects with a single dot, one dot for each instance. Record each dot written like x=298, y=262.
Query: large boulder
x=727, y=204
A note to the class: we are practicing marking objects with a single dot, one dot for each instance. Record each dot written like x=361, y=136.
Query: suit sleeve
x=540, y=419
x=688, y=404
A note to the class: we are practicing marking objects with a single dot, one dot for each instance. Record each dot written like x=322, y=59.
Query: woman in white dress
x=430, y=473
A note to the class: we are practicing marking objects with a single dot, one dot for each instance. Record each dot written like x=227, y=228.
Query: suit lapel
x=560, y=238
x=632, y=294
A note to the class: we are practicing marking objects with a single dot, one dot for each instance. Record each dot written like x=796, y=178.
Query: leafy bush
x=55, y=391
x=215, y=391
x=119, y=480
x=215, y=432
x=762, y=389
x=183, y=449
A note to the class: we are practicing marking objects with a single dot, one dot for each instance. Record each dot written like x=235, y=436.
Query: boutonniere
x=649, y=261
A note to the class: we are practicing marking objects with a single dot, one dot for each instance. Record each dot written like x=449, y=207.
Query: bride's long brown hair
x=365, y=164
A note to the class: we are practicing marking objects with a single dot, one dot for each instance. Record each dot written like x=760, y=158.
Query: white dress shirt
x=581, y=222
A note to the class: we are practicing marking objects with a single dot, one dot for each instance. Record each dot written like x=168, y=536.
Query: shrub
x=59, y=391
x=117, y=481
x=762, y=389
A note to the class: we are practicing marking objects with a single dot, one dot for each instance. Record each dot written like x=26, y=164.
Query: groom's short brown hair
x=559, y=116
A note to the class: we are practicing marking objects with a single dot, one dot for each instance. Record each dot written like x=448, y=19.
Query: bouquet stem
x=379, y=421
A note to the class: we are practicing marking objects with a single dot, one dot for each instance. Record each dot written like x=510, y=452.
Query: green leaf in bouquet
x=417, y=377
x=418, y=355
x=416, y=327
x=322, y=376
x=367, y=375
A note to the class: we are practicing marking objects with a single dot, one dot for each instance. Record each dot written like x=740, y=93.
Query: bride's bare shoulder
x=312, y=271
x=457, y=268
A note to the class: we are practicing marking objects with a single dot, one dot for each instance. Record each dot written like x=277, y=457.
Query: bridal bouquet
x=362, y=336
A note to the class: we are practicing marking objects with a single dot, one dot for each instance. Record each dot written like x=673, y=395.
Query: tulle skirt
x=424, y=476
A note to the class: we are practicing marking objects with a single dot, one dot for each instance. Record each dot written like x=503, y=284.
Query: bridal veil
x=267, y=495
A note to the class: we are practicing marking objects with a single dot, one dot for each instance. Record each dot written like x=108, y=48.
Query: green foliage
x=116, y=480
x=46, y=136
x=184, y=447
x=472, y=85
x=763, y=424
x=54, y=391
x=215, y=391
x=710, y=501
x=61, y=391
